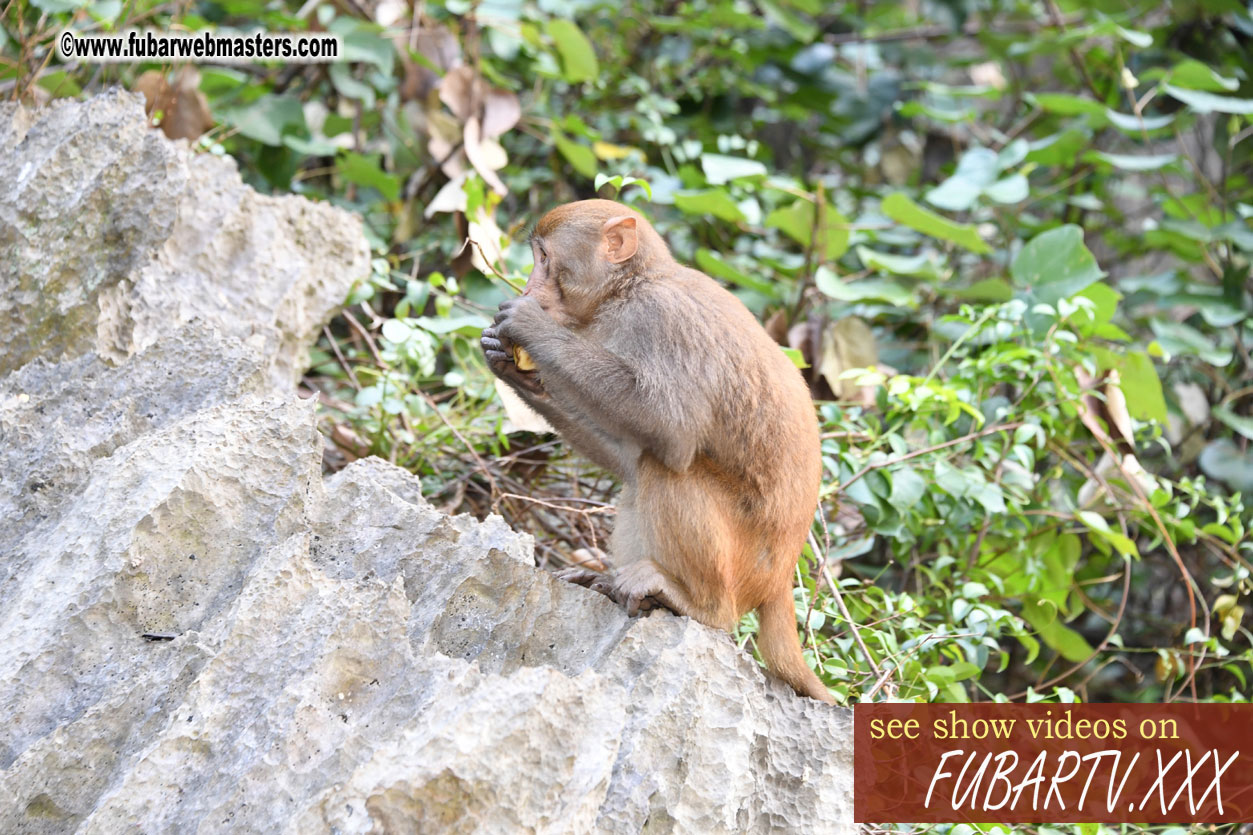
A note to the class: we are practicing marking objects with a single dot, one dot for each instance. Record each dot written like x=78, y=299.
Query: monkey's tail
x=781, y=648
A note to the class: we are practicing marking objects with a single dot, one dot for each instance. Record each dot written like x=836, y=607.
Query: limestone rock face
x=113, y=237
x=199, y=633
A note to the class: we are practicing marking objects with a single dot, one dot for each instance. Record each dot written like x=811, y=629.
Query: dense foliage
x=1011, y=241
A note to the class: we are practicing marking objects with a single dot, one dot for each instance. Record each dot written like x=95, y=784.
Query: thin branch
x=972, y=28
x=991, y=430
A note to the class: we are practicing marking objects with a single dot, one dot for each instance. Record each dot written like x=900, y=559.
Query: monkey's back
x=761, y=430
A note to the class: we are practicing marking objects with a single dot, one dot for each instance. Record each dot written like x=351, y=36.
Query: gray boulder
x=198, y=632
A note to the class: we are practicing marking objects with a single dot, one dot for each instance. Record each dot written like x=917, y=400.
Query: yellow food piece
x=522, y=359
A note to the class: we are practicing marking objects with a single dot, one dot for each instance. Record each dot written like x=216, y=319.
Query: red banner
x=1053, y=763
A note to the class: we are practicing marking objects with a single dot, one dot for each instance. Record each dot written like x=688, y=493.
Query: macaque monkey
x=658, y=374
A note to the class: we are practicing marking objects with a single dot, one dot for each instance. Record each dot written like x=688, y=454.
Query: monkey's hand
x=499, y=353
x=522, y=321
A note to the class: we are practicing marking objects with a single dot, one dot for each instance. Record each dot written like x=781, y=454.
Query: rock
x=200, y=633
x=119, y=236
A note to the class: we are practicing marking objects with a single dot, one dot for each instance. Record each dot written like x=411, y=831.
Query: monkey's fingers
x=510, y=303
x=497, y=360
x=493, y=340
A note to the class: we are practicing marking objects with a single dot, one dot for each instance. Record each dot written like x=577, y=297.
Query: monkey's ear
x=621, y=239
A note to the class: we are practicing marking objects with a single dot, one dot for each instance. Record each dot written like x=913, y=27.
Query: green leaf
x=315, y=147
x=990, y=496
x=720, y=168
x=268, y=118
x=1105, y=301
x=1130, y=123
x=396, y=331
x=1043, y=618
x=952, y=480
x=1223, y=460
x=351, y=87
x=1135, y=37
x=1059, y=569
x=907, y=489
x=1243, y=425
x=1176, y=338
x=1132, y=162
x=578, y=58
x=903, y=210
x=580, y=157
x=1194, y=75
x=922, y=265
x=1203, y=102
x=797, y=222
x=366, y=170
x=1012, y=189
x=105, y=11
x=1097, y=525
x=1058, y=149
x=976, y=170
x=864, y=290
x=469, y=324
x=711, y=263
x=796, y=357
x=59, y=83
x=714, y=201
x=1055, y=264
x=1065, y=104
x=988, y=290
x=364, y=42
x=801, y=30
x=58, y=6
x=620, y=182
x=1140, y=383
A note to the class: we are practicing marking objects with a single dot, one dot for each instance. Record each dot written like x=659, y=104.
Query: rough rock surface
x=113, y=236
x=322, y=655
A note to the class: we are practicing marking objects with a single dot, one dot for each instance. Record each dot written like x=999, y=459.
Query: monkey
x=655, y=372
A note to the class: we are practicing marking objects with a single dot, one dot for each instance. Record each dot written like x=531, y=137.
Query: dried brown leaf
x=439, y=46
x=501, y=111
x=1116, y=409
x=776, y=326
x=483, y=155
x=459, y=91
x=845, y=343
x=184, y=109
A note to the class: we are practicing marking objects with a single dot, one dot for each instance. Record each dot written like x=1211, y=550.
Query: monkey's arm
x=585, y=379
x=613, y=454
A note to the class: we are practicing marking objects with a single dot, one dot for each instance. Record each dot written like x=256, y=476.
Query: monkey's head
x=586, y=253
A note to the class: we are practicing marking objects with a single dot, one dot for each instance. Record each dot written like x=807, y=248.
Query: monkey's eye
x=541, y=255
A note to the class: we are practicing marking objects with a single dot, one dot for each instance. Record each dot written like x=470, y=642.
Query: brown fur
x=657, y=373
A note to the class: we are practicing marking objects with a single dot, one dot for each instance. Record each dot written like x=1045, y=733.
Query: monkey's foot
x=640, y=587
x=594, y=580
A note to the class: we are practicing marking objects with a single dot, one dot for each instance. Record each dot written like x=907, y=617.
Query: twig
x=821, y=557
x=1122, y=607
x=991, y=430
x=1056, y=14
x=970, y=29
x=343, y=363
x=586, y=511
